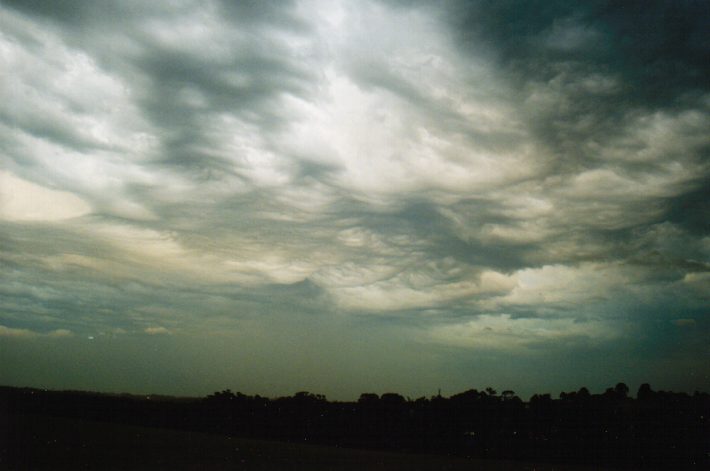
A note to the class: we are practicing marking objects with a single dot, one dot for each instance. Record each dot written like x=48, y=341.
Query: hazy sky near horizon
x=351, y=196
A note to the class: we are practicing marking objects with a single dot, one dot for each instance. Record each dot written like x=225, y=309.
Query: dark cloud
x=71, y=12
x=602, y=61
x=660, y=48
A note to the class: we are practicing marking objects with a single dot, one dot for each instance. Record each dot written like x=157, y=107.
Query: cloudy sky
x=350, y=196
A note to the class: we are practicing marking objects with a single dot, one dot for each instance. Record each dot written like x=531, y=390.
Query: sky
x=354, y=196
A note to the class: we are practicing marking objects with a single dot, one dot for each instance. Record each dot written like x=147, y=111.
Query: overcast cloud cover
x=351, y=196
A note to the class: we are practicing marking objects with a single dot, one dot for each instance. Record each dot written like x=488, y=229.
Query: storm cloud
x=350, y=196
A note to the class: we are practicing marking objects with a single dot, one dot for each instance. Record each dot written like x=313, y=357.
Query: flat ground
x=39, y=443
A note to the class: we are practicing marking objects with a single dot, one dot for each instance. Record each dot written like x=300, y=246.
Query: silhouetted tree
x=368, y=398
x=645, y=392
x=621, y=390
x=392, y=399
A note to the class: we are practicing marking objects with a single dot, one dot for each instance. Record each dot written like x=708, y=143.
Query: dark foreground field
x=33, y=442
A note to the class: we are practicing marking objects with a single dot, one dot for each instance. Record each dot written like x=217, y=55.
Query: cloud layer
x=492, y=180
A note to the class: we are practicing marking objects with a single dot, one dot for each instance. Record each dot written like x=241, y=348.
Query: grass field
x=48, y=443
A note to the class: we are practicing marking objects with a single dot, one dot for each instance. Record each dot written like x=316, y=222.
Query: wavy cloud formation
x=517, y=181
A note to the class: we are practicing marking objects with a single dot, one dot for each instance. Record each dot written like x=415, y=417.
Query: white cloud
x=389, y=288
x=76, y=123
x=21, y=200
x=570, y=287
x=156, y=330
x=26, y=333
x=503, y=332
x=407, y=115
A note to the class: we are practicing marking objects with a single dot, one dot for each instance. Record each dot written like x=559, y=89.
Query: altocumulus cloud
x=336, y=185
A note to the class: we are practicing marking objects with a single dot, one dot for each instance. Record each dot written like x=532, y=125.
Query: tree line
x=656, y=429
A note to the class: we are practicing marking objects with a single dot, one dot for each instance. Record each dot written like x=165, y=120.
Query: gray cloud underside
x=487, y=176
